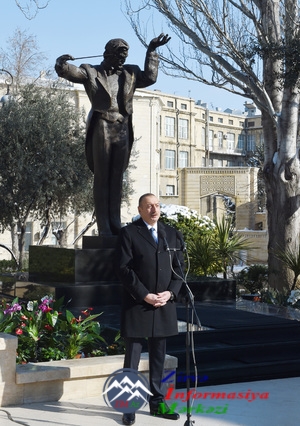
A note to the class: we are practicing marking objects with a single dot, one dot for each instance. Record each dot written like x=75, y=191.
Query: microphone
x=164, y=238
x=180, y=237
x=166, y=245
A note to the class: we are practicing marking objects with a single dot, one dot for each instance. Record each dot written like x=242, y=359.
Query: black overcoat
x=145, y=267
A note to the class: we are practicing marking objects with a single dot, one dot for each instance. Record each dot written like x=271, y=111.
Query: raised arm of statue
x=156, y=42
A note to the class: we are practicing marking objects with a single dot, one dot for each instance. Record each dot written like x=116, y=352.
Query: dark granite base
x=94, y=265
x=52, y=265
x=75, y=296
x=103, y=241
x=210, y=289
x=84, y=277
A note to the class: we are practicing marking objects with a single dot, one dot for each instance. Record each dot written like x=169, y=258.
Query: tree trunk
x=282, y=167
x=283, y=201
x=21, y=241
x=14, y=239
x=47, y=222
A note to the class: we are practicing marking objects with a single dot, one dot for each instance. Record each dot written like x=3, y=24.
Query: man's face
x=118, y=58
x=149, y=209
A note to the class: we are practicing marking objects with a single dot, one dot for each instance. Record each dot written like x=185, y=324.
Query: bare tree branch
x=211, y=37
x=250, y=48
x=30, y=8
x=22, y=56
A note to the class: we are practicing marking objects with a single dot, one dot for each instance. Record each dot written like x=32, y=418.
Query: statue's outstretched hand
x=63, y=58
x=159, y=41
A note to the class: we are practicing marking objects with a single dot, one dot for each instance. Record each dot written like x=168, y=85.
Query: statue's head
x=116, y=52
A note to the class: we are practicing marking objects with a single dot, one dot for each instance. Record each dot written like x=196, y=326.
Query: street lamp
x=9, y=81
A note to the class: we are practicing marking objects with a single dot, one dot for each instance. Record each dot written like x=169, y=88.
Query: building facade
x=173, y=134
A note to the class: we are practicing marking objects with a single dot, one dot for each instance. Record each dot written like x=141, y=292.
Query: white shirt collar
x=151, y=226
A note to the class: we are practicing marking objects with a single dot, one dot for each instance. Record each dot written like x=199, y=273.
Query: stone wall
x=203, y=189
x=200, y=189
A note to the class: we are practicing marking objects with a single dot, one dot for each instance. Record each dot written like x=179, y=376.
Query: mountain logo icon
x=126, y=390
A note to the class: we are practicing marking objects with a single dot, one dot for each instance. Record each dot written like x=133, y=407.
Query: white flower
x=47, y=299
x=172, y=210
x=294, y=297
x=30, y=306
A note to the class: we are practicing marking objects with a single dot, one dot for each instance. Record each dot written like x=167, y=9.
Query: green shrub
x=253, y=278
x=7, y=266
x=203, y=256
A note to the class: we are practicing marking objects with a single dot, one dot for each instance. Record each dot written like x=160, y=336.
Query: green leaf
x=69, y=316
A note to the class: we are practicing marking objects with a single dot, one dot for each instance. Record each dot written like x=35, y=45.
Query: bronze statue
x=110, y=87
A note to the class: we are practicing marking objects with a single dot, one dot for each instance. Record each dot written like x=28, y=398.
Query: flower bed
x=47, y=331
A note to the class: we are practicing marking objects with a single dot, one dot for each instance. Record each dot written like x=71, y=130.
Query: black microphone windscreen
x=180, y=237
x=163, y=235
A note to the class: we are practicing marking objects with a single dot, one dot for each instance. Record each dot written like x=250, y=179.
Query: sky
x=83, y=28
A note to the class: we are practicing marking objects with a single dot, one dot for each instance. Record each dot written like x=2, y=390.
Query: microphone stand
x=189, y=300
x=189, y=303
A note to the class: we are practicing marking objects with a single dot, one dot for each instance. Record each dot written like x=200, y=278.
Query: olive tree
x=42, y=162
x=250, y=48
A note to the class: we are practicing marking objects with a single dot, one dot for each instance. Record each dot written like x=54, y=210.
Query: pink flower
x=19, y=331
x=45, y=308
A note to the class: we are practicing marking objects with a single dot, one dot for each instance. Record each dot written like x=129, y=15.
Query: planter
x=58, y=380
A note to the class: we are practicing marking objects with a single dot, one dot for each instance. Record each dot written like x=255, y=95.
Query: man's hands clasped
x=159, y=299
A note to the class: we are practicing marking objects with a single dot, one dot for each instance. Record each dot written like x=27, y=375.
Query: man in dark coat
x=110, y=87
x=151, y=275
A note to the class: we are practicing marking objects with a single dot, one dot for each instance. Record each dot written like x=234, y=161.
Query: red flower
x=48, y=327
x=19, y=331
x=87, y=311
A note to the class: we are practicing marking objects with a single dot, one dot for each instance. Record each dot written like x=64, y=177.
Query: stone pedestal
x=102, y=242
x=95, y=261
x=85, y=277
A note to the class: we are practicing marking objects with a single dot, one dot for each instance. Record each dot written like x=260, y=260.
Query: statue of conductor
x=110, y=87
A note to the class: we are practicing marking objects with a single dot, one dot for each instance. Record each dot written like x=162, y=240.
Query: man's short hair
x=149, y=194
